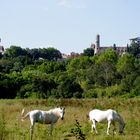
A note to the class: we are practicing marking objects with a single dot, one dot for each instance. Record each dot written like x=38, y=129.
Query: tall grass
x=3, y=131
x=11, y=127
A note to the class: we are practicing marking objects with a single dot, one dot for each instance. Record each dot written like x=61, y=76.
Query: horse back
x=100, y=115
x=97, y=115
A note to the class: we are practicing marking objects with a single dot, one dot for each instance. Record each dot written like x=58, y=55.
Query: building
x=1, y=48
x=71, y=55
x=98, y=49
x=135, y=40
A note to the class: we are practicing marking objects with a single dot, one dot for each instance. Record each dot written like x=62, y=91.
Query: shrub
x=114, y=91
x=90, y=94
x=77, y=132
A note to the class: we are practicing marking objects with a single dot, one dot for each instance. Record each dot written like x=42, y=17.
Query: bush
x=90, y=94
x=77, y=132
x=135, y=92
x=114, y=91
x=101, y=92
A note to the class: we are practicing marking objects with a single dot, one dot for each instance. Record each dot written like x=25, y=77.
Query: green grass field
x=11, y=127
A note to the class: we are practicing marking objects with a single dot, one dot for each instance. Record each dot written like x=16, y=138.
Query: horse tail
x=23, y=116
x=22, y=112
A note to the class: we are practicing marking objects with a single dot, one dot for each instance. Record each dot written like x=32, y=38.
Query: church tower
x=98, y=41
x=97, y=45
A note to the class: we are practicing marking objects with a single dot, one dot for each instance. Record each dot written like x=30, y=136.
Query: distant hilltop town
x=119, y=49
x=98, y=49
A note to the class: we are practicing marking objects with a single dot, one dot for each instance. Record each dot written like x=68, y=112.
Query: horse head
x=61, y=112
x=121, y=128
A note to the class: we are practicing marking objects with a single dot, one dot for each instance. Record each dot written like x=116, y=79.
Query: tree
x=126, y=65
x=33, y=53
x=79, y=63
x=15, y=51
x=10, y=84
x=67, y=87
x=136, y=87
x=88, y=52
x=106, y=67
x=134, y=48
x=52, y=66
x=51, y=54
x=6, y=65
x=43, y=86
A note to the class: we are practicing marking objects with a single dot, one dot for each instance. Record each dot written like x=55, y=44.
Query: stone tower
x=97, y=45
x=98, y=41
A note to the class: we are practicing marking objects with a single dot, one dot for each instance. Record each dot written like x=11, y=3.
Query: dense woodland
x=42, y=73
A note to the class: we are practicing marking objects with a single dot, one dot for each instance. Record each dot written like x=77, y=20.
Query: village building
x=1, y=48
x=99, y=49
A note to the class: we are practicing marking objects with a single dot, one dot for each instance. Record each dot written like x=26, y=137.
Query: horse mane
x=54, y=109
x=120, y=119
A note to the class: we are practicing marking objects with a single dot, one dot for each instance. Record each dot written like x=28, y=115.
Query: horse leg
x=31, y=132
x=51, y=128
x=31, y=129
x=93, y=126
x=108, y=127
x=114, y=128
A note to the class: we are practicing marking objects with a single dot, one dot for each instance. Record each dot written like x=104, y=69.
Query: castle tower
x=98, y=40
x=97, y=45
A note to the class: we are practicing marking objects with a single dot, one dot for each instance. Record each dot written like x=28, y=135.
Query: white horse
x=43, y=117
x=110, y=115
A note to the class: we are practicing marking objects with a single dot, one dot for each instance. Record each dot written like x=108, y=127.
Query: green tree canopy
x=88, y=52
x=134, y=48
x=15, y=51
x=125, y=64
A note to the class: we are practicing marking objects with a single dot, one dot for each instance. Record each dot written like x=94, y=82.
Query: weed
x=77, y=132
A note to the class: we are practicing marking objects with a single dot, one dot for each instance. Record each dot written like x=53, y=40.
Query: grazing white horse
x=110, y=115
x=43, y=117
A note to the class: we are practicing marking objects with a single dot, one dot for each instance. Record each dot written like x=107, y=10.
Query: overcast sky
x=68, y=25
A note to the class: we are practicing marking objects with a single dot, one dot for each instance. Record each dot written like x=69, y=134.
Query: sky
x=68, y=25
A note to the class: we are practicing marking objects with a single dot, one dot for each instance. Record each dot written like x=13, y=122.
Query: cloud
x=79, y=4
x=65, y=3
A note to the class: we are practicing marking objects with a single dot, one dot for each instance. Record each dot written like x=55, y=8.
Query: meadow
x=12, y=128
